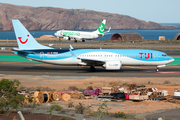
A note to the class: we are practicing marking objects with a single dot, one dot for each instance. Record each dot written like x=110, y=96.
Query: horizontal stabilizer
x=20, y=51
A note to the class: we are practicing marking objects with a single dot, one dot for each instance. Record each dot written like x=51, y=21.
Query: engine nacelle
x=113, y=65
x=66, y=38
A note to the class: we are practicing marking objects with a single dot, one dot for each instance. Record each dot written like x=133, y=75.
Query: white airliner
x=110, y=59
x=81, y=35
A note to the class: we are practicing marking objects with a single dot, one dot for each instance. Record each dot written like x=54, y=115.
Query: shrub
x=114, y=83
x=33, y=106
x=88, y=112
x=175, y=84
x=85, y=110
x=102, y=110
x=39, y=88
x=150, y=83
x=139, y=117
x=125, y=84
x=22, y=87
x=80, y=108
x=167, y=82
x=63, y=118
x=119, y=114
x=54, y=107
x=9, y=97
x=89, y=88
x=73, y=88
x=70, y=105
x=90, y=83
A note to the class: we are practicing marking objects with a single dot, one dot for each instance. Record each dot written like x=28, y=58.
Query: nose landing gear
x=157, y=69
x=83, y=40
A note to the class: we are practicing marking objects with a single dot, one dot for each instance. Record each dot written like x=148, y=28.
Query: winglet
x=71, y=47
x=72, y=53
x=107, y=32
x=109, y=29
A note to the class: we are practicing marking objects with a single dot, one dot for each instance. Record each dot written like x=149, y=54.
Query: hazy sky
x=160, y=11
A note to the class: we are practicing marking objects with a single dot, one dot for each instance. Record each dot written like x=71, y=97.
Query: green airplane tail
x=101, y=27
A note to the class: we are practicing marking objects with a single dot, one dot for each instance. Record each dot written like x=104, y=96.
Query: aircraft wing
x=87, y=61
x=20, y=51
x=92, y=61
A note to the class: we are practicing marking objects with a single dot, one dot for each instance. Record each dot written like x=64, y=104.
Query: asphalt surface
x=167, y=114
x=172, y=114
x=27, y=68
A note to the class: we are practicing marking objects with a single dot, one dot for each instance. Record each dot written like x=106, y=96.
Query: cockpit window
x=164, y=55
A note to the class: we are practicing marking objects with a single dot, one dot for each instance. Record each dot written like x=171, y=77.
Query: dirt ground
x=128, y=107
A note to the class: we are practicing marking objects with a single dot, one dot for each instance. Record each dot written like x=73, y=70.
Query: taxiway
x=27, y=68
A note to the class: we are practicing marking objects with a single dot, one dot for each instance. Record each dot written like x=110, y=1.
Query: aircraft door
x=61, y=33
x=155, y=56
x=103, y=56
x=41, y=55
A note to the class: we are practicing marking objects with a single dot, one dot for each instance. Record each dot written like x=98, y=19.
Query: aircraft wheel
x=92, y=69
x=75, y=41
x=157, y=69
x=83, y=40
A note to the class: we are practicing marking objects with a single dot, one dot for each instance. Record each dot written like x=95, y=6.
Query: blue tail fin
x=24, y=39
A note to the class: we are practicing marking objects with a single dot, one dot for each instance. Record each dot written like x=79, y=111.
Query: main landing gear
x=157, y=69
x=75, y=41
x=92, y=69
x=83, y=40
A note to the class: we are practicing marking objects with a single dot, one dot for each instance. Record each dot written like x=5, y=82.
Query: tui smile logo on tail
x=22, y=41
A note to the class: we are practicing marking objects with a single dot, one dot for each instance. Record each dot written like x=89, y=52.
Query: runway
x=27, y=68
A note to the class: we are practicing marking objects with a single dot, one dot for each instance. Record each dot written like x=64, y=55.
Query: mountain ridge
x=50, y=18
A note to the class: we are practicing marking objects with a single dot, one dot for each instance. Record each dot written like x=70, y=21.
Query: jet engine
x=66, y=38
x=113, y=65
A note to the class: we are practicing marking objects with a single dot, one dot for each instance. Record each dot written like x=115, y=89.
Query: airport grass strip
x=176, y=61
x=16, y=58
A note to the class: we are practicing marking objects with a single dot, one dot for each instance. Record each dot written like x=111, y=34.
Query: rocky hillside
x=48, y=18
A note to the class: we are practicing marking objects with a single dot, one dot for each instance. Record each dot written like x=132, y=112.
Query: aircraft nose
x=56, y=34
x=171, y=59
